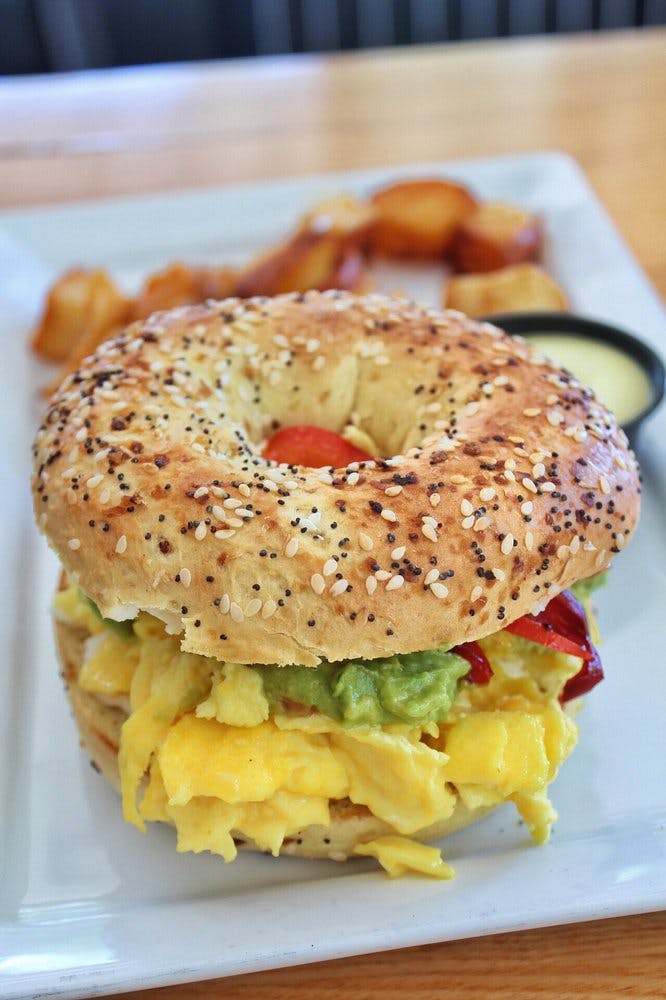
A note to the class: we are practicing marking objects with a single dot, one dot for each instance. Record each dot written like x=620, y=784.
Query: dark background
x=41, y=36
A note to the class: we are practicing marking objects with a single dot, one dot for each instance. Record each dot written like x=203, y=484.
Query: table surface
x=600, y=98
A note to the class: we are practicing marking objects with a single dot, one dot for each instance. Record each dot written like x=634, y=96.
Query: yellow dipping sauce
x=618, y=380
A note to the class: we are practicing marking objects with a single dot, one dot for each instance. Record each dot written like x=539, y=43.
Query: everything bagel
x=497, y=482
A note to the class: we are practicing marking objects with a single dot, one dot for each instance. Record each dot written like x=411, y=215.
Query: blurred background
x=42, y=36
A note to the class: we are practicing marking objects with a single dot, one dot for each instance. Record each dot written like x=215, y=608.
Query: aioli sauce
x=617, y=379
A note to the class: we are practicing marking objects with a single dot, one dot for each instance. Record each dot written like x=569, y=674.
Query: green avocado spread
x=582, y=589
x=412, y=688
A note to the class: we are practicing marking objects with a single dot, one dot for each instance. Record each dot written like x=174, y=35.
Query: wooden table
x=602, y=99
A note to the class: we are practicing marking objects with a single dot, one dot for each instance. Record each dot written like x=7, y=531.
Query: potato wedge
x=342, y=217
x=496, y=235
x=180, y=284
x=419, y=218
x=306, y=260
x=81, y=302
x=518, y=288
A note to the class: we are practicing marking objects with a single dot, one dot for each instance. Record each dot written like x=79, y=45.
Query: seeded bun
x=500, y=480
x=99, y=727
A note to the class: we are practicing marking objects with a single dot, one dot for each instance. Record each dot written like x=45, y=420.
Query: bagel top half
x=500, y=479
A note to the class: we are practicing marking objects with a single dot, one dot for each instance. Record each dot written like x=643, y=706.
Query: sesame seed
x=430, y=577
x=603, y=485
x=393, y=491
x=529, y=485
x=339, y=587
x=554, y=417
x=121, y=545
x=185, y=577
x=435, y=499
x=459, y=480
x=487, y=493
x=538, y=470
x=619, y=540
x=318, y=363
x=466, y=507
x=439, y=590
x=498, y=573
x=291, y=548
x=330, y=567
x=94, y=481
x=476, y=594
x=472, y=408
x=231, y=503
x=236, y=613
x=244, y=489
x=225, y=533
x=563, y=552
x=395, y=582
x=312, y=345
x=531, y=411
x=200, y=531
x=74, y=544
x=352, y=478
x=548, y=487
x=389, y=515
x=253, y=608
x=529, y=541
x=482, y=523
x=507, y=544
x=365, y=541
x=398, y=553
x=225, y=604
x=269, y=609
x=382, y=574
x=574, y=545
x=429, y=532
x=527, y=507
x=218, y=512
x=468, y=522
x=202, y=491
x=317, y=583
x=370, y=585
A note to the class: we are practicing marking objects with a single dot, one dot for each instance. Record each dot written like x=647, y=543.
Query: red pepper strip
x=481, y=671
x=528, y=627
x=562, y=626
x=313, y=447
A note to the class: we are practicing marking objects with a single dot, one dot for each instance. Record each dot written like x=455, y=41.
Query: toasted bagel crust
x=503, y=480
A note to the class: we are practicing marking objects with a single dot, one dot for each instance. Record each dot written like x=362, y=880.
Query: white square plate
x=88, y=905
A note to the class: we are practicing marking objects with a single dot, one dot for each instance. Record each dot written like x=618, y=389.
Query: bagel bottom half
x=513, y=728
x=100, y=725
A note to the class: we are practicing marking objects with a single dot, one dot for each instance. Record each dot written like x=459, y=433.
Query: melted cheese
x=218, y=767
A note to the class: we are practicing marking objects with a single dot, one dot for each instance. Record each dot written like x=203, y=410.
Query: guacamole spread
x=412, y=688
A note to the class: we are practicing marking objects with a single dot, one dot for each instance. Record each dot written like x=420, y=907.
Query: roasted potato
x=419, y=218
x=182, y=285
x=82, y=303
x=342, y=217
x=306, y=260
x=496, y=235
x=518, y=288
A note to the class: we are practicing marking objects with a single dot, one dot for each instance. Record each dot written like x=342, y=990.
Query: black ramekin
x=591, y=329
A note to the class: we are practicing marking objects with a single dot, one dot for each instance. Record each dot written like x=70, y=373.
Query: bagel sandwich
x=319, y=559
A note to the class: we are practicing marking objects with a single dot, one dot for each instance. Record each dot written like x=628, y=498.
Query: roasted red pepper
x=480, y=669
x=313, y=447
x=562, y=626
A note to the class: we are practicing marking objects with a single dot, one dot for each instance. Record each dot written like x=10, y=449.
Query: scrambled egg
x=200, y=749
